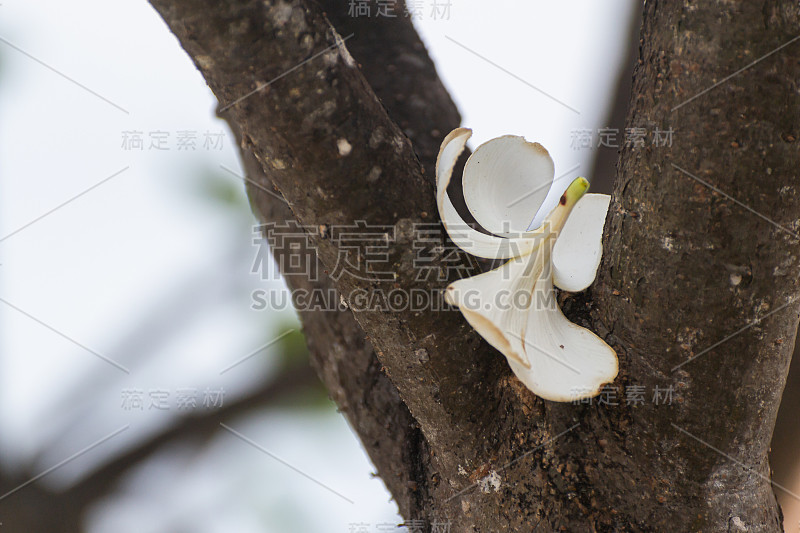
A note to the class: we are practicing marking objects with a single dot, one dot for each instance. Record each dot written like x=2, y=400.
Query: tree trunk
x=696, y=291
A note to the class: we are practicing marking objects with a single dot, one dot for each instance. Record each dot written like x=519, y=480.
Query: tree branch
x=395, y=63
x=324, y=140
x=44, y=510
x=698, y=289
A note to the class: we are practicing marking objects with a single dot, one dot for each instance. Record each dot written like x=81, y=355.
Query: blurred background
x=129, y=329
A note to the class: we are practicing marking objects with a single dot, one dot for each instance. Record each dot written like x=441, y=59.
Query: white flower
x=513, y=307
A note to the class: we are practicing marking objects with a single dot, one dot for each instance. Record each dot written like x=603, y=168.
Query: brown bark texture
x=697, y=290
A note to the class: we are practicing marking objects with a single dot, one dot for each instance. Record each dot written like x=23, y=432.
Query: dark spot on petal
x=563, y=200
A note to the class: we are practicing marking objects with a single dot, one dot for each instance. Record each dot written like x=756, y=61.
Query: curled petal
x=514, y=308
x=579, y=247
x=495, y=303
x=567, y=361
x=465, y=237
x=505, y=182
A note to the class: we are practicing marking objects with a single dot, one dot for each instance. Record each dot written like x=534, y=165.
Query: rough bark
x=404, y=79
x=684, y=268
x=344, y=359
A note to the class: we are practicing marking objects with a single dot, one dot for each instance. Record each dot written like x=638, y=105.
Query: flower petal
x=514, y=308
x=494, y=303
x=579, y=247
x=505, y=182
x=566, y=361
x=465, y=237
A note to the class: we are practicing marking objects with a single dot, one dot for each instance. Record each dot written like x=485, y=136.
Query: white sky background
x=99, y=266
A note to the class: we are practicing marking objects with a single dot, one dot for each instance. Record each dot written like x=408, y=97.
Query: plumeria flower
x=505, y=182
